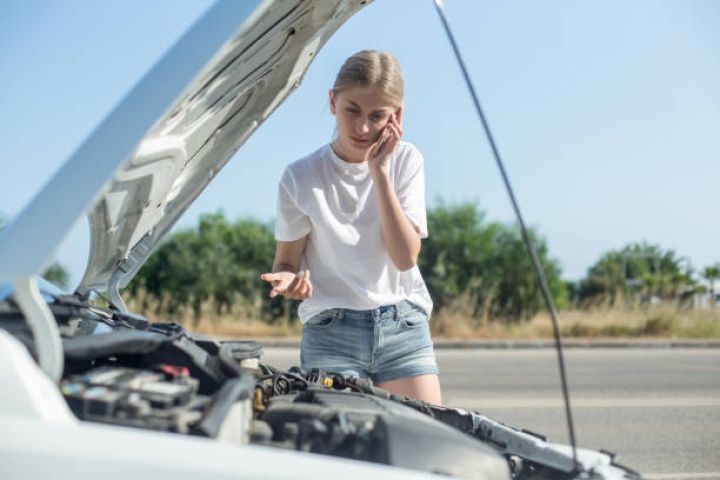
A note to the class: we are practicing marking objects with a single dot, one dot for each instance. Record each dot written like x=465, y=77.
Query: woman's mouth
x=359, y=141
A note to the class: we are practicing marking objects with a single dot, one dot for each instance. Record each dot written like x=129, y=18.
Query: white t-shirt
x=335, y=203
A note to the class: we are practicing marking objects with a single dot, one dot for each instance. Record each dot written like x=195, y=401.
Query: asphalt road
x=659, y=409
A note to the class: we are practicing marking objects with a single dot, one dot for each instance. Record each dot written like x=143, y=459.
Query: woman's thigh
x=423, y=387
x=334, y=342
x=405, y=352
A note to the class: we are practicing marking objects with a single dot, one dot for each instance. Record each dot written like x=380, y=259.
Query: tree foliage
x=486, y=261
x=465, y=259
x=637, y=271
x=220, y=262
x=57, y=274
x=711, y=274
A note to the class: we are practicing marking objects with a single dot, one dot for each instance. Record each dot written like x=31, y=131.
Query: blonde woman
x=352, y=215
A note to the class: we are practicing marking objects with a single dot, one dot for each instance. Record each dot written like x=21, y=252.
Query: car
x=92, y=390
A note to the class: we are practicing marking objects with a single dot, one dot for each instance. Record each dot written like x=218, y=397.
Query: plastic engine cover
x=365, y=427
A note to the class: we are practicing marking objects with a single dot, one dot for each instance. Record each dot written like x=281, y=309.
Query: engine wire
x=526, y=237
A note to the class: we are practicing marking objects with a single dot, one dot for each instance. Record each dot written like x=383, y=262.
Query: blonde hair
x=370, y=68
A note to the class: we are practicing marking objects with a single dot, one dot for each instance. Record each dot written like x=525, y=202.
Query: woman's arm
x=285, y=278
x=288, y=255
x=401, y=238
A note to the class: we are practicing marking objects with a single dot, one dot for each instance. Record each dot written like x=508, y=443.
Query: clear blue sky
x=607, y=113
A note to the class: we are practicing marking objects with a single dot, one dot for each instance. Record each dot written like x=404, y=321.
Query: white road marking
x=610, y=402
x=682, y=476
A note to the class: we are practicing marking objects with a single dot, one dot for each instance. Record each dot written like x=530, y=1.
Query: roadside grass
x=228, y=326
x=661, y=321
x=633, y=321
x=244, y=321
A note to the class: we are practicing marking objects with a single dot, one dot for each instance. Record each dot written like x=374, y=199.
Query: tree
x=56, y=274
x=711, y=274
x=519, y=296
x=458, y=256
x=218, y=263
x=487, y=262
x=638, y=270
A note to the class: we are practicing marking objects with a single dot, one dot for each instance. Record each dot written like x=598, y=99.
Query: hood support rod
x=526, y=237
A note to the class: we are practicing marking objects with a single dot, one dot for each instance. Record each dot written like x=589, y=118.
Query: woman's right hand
x=290, y=285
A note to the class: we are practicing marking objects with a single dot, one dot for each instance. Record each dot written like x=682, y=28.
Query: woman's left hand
x=378, y=156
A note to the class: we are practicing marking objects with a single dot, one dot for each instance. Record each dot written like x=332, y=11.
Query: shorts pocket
x=323, y=319
x=411, y=316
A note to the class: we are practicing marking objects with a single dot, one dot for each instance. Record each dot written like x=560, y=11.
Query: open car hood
x=253, y=72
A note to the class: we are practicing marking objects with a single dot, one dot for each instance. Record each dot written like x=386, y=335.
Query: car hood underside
x=235, y=92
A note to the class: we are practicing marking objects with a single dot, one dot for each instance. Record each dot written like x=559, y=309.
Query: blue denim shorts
x=384, y=344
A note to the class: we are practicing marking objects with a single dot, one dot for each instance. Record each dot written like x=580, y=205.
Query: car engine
x=123, y=370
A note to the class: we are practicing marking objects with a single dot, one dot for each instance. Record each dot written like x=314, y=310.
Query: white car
x=94, y=392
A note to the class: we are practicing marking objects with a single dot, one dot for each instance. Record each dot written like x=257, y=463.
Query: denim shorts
x=384, y=344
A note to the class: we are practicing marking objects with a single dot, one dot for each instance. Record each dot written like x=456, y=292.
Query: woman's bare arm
x=288, y=255
x=285, y=277
x=401, y=237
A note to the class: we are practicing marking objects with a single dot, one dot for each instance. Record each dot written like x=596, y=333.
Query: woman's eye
x=376, y=117
x=353, y=111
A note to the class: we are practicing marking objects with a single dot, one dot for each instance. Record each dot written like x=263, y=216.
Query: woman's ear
x=331, y=96
x=398, y=115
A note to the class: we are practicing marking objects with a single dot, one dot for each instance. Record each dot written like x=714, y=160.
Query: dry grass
x=659, y=321
x=600, y=322
x=228, y=326
x=244, y=322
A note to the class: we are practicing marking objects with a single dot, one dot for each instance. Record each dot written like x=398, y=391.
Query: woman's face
x=360, y=113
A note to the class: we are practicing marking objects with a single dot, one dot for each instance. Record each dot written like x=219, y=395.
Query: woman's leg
x=405, y=360
x=423, y=387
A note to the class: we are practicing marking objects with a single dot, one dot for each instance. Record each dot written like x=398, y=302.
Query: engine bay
x=121, y=369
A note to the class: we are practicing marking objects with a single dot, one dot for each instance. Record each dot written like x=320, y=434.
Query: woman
x=353, y=214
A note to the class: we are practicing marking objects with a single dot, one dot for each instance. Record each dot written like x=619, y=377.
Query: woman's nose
x=363, y=126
